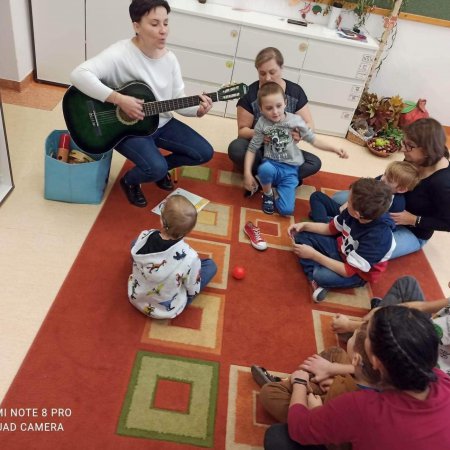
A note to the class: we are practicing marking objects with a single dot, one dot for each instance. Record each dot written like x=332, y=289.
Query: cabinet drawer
x=195, y=88
x=340, y=60
x=203, y=34
x=100, y=36
x=244, y=72
x=203, y=67
x=322, y=89
x=252, y=40
x=329, y=120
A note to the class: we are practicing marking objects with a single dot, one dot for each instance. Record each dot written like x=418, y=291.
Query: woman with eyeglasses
x=428, y=204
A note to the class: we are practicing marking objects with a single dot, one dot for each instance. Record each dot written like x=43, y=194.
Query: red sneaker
x=254, y=234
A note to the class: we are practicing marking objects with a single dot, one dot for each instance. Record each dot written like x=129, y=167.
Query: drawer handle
x=234, y=34
x=303, y=47
x=229, y=64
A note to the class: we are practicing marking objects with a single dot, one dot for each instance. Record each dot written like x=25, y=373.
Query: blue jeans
x=406, y=241
x=323, y=208
x=324, y=277
x=238, y=148
x=187, y=148
x=207, y=271
x=285, y=178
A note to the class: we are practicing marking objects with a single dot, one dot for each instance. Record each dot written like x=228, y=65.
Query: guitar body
x=97, y=127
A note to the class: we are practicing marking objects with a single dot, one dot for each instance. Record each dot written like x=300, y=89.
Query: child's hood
x=161, y=264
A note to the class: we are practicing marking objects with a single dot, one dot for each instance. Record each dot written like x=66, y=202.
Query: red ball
x=238, y=272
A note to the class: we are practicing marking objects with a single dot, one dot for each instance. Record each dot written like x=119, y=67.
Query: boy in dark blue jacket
x=354, y=246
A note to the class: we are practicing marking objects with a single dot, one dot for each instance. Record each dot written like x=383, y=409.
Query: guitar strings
x=153, y=108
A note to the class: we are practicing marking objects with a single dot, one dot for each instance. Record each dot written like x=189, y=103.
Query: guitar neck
x=153, y=108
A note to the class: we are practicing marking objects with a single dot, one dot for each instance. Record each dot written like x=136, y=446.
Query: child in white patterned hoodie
x=167, y=273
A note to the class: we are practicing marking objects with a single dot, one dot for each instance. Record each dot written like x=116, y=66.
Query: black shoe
x=262, y=377
x=134, y=193
x=375, y=302
x=165, y=182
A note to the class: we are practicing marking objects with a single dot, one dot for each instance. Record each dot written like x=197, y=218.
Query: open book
x=196, y=200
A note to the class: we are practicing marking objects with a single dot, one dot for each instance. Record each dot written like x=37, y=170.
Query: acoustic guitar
x=97, y=127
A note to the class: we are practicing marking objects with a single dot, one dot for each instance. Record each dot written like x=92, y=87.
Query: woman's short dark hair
x=406, y=343
x=139, y=8
x=430, y=135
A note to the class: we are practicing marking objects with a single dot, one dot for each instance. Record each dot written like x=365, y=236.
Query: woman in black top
x=428, y=204
x=269, y=64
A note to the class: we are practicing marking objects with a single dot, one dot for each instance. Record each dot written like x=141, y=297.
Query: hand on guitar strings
x=205, y=105
x=131, y=106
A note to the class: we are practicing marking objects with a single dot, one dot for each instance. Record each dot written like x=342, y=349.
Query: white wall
x=417, y=66
x=16, y=52
x=8, y=62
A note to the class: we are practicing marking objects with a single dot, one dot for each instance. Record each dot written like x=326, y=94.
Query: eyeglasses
x=408, y=147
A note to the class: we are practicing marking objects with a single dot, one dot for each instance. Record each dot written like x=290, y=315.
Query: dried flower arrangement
x=380, y=116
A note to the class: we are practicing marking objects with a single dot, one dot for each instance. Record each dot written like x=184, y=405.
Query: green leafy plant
x=362, y=10
x=393, y=134
x=379, y=113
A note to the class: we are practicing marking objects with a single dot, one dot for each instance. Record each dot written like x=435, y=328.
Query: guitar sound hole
x=124, y=118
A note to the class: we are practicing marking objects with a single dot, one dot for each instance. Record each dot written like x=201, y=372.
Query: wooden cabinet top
x=266, y=22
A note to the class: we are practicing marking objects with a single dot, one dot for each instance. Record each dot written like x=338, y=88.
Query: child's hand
x=340, y=324
x=296, y=136
x=326, y=384
x=304, y=251
x=341, y=153
x=295, y=228
x=250, y=183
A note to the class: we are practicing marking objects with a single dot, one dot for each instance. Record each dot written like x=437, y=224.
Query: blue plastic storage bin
x=74, y=183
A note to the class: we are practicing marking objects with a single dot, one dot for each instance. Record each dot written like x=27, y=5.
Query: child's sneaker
x=268, y=205
x=319, y=293
x=254, y=234
x=375, y=302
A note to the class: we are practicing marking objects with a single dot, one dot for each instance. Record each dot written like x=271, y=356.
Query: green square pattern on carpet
x=140, y=417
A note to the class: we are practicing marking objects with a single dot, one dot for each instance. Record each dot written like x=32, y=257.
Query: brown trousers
x=275, y=397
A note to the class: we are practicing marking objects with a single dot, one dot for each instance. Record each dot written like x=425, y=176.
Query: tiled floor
x=40, y=239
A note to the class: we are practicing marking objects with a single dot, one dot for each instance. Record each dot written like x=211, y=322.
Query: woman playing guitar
x=145, y=57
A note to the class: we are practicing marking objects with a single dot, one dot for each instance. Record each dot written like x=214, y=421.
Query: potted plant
x=382, y=116
x=362, y=10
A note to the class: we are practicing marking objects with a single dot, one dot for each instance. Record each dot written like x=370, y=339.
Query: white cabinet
x=206, y=50
x=58, y=28
x=6, y=182
x=107, y=22
x=339, y=60
x=252, y=40
x=333, y=78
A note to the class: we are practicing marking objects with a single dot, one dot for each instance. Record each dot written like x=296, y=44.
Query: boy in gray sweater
x=281, y=154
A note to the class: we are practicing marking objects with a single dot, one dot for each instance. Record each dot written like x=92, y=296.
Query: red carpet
x=109, y=378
